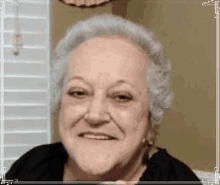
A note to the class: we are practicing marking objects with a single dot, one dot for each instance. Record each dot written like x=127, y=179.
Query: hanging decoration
x=84, y=2
x=17, y=36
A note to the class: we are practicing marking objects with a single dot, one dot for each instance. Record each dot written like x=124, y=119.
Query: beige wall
x=64, y=16
x=187, y=31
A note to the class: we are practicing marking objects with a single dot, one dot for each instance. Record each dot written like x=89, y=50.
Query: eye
x=121, y=98
x=79, y=94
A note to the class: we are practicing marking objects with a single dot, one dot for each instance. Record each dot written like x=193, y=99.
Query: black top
x=46, y=163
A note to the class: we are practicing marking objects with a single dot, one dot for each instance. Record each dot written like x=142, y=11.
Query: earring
x=143, y=140
x=150, y=142
x=150, y=139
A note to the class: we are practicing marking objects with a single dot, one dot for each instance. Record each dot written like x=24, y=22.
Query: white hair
x=158, y=75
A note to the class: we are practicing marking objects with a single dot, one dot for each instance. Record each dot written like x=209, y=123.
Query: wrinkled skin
x=107, y=93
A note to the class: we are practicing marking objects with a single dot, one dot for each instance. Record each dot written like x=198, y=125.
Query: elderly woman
x=110, y=88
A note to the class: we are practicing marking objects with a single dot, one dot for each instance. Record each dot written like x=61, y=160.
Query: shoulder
x=164, y=167
x=181, y=170
x=33, y=158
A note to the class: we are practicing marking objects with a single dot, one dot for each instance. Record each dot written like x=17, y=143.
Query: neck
x=133, y=171
x=138, y=169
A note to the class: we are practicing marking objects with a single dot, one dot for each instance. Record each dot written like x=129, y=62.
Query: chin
x=98, y=160
x=95, y=164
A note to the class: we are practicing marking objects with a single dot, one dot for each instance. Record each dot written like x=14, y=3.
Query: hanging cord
x=17, y=35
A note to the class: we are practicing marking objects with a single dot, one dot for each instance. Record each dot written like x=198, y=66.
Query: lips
x=96, y=136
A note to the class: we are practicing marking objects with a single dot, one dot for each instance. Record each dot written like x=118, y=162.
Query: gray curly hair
x=158, y=75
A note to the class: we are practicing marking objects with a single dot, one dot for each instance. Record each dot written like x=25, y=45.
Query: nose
x=97, y=112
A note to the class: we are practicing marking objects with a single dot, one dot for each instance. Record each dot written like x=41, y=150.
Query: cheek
x=141, y=120
x=70, y=112
x=131, y=120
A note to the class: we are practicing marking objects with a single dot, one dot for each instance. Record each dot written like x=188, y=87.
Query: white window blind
x=26, y=79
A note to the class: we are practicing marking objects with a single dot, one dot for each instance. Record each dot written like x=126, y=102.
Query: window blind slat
x=31, y=138
x=26, y=111
x=25, y=69
x=27, y=39
x=25, y=83
x=28, y=8
x=34, y=1
x=25, y=90
x=25, y=118
x=26, y=54
x=25, y=97
x=10, y=125
x=31, y=24
x=9, y=151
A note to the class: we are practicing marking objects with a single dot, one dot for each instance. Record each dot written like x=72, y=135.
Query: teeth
x=91, y=136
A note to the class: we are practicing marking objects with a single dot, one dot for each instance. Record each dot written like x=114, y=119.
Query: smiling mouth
x=97, y=136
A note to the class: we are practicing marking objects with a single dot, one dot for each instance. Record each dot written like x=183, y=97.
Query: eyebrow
x=111, y=86
x=79, y=78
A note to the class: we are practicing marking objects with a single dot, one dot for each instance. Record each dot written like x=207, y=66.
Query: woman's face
x=103, y=116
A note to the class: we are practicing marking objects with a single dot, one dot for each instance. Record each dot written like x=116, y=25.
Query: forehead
x=117, y=44
x=109, y=58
